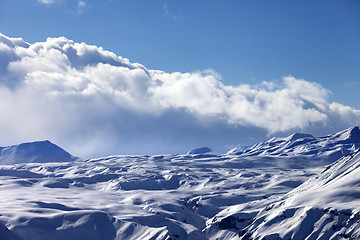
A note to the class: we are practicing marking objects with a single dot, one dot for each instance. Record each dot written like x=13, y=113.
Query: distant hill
x=34, y=152
x=200, y=150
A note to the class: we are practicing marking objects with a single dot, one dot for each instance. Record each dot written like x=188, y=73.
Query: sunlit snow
x=280, y=189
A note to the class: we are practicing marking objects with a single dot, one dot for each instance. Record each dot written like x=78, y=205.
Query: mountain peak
x=349, y=135
x=38, y=151
x=200, y=150
x=354, y=133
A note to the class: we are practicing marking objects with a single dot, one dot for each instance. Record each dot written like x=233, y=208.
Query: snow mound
x=329, y=148
x=200, y=150
x=34, y=152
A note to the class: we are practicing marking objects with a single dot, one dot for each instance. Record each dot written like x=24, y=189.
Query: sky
x=165, y=76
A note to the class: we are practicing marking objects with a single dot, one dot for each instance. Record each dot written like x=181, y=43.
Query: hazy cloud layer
x=91, y=100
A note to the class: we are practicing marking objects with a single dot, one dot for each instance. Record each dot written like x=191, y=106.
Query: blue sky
x=242, y=42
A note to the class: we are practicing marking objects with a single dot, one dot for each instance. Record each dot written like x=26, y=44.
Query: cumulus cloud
x=92, y=101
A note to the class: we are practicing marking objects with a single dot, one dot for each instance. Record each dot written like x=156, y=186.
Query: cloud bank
x=93, y=102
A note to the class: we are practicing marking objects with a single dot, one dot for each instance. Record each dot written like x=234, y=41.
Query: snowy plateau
x=299, y=187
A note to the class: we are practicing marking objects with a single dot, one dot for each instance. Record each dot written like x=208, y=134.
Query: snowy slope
x=41, y=151
x=325, y=207
x=199, y=195
x=329, y=148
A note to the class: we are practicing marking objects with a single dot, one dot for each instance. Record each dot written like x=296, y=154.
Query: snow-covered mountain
x=199, y=195
x=200, y=150
x=330, y=147
x=325, y=207
x=40, y=152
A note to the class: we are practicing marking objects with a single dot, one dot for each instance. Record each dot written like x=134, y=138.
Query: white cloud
x=81, y=6
x=76, y=7
x=46, y=1
x=169, y=14
x=81, y=3
x=82, y=96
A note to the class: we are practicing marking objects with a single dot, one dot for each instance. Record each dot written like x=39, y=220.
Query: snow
x=326, y=149
x=41, y=151
x=259, y=194
x=200, y=150
x=324, y=207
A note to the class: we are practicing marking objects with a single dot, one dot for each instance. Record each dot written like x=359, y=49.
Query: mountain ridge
x=324, y=207
x=330, y=147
